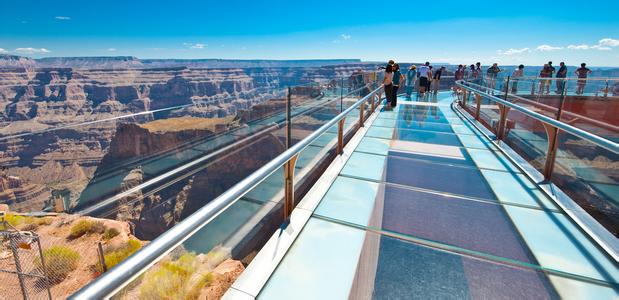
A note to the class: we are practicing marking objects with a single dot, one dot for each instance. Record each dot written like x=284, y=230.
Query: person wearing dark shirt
x=492, y=73
x=561, y=75
x=437, y=78
x=582, y=74
x=397, y=79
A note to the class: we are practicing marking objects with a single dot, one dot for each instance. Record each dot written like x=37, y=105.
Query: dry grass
x=186, y=123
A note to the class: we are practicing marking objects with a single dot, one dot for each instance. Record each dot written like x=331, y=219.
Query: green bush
x=59, y=262
x=13, y=220
x=172, y=280
x=118, y=255
x=86, y=227
x=110, y=233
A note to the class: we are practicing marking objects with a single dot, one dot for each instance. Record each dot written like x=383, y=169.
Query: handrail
x=552, y=108
x=600, y=141
x=122, y=274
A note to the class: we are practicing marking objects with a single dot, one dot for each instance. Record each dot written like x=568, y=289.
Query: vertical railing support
x=551, y=154
x=503, y=112
x=342, y=95
x=361, y=111
x=340, y=136
x=288, y=119
x=464, y=97
x=478, y=98
x=289, y=186
x=373, y=98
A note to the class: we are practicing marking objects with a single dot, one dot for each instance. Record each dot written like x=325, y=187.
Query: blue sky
x=508, y=32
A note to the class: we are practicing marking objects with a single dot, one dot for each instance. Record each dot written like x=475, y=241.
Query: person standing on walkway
x=582, y=74
x=561, y=75
x=492, y=73
x=544, y=82
x=430, y=76
x=437, y=79
x=516, y=75
x=397, y=79
x=423, y=73
x=480, y=73
x=411, y=79
x=388, y=84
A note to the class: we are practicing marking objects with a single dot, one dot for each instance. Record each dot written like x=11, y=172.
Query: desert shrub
x=59, y=262
x=110, y=233
x=172, y=279
x=13, y=220
x=44, y=221
x=83, y=227
x=204, y=281
x=114, y=257
x=30, y=227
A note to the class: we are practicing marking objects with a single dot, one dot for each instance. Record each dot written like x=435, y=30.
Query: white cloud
x=62, y=18
x=512, y=51
x=111, y=49
x=547, y=48
x=601, y=48
x=345, y=37
x=579, y=47
x=195, y=46
x=30, y=50
x=3, y=51
x=608, y=42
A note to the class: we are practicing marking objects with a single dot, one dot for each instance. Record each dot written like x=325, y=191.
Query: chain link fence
x=22, y=264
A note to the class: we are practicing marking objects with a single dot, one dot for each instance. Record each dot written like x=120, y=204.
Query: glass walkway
x=424, y=206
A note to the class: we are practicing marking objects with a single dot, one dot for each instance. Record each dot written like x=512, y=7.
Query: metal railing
x=552, y=128
x=122, y=274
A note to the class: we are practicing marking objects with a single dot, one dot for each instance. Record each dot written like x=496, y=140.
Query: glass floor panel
x=364, y=166
x=429, y=137
x=444, y=178
x=374, y=146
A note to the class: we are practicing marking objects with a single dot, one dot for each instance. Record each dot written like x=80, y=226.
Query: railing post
x=503, y=112
x=342, y=96
x=606, y=89
x=361, y=111
x=288, y=119
x=533, y=86
x=478, y=104
x=289, y=186
x=553, y=134
x=340, y=136
x=373, y=98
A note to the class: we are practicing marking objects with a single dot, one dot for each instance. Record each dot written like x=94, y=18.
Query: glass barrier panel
x=589, y=175
x=527, y=137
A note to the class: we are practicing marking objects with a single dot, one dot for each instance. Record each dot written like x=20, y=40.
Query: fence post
x=342, y=95
x=101, y=257
x=49, y=293
x=20, y=273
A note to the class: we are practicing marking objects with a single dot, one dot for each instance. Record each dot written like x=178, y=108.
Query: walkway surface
x=426, y=207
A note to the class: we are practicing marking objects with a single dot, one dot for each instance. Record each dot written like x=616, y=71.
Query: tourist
x=411, y=79
x=480, y=76
x=492, y=73
x=423, y=73
x=388, y=84
x=545, y=73
x=430, y=74
x=473, y=74
x=459, y=74
x=615, y=90
x=516, y=75
x=582, y=74
x=397, y=78
x=561, y=75
x=437, y=78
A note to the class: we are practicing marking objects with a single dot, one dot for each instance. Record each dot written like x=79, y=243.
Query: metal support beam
x=340, y=136
x=551, y=154
x=289, y=186
x=373, y=99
